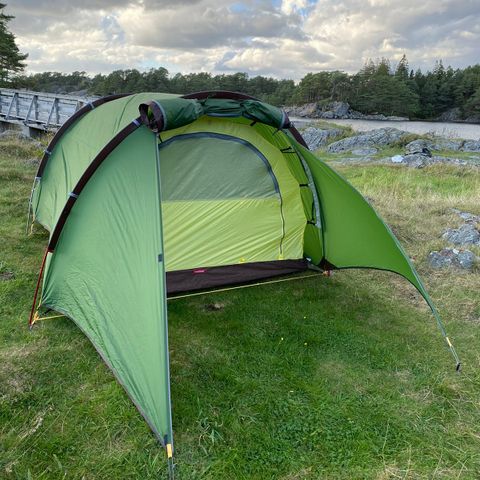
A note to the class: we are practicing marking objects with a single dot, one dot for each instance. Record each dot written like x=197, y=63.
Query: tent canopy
x=151, y=193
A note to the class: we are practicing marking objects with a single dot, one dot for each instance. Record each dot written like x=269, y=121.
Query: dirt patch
x=215, y=306
x=5, y=276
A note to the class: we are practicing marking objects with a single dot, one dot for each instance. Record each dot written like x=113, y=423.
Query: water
x=443, y=129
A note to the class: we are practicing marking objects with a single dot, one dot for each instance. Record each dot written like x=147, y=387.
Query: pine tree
x=11, y=60
x=401, y=72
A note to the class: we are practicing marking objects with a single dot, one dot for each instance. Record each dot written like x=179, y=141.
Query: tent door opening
x=221, y=203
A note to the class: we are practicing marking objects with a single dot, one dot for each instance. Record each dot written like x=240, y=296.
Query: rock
x=451, y=257
x=451, y=115
x=466, y=234
x=316, y=137
x=421, y=146
x=472, y=162
x=308, y=110
x=339, y=109
x=416, y=160
x=373, y=138
x=419, y=160
x=466, y=216
x=475, y=118
x=365, y=151
x=471, y=146
x=446, y=144
x=333, y=110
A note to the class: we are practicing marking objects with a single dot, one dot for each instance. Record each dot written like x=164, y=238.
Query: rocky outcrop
x=418, y=160
x=439, y=143
x=451, y=115
x=373, y=138
x=446, y=144
x=451, y=257
x=466, y=234
x=471, y=146
x=418, y=154
x=316, y=137
x=333, y=110
x=456, y=115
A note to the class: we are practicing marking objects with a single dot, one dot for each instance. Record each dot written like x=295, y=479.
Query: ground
x=341, y=377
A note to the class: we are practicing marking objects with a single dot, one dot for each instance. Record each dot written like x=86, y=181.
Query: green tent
x=150, y=194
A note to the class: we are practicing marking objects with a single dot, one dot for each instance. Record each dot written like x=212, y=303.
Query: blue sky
x=280, y=38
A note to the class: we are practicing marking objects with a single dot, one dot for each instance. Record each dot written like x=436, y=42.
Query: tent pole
x=32, y=312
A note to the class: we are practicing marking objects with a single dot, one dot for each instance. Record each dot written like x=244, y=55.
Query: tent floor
x=209, y=277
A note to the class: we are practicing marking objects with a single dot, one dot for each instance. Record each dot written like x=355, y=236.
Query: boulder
x=316, y=137
x=451, y=257
x=421, y=146
x=466, y=234
x=446, y=144
x=372, y=138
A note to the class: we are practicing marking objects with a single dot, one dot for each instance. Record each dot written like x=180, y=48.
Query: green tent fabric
x=151, y=193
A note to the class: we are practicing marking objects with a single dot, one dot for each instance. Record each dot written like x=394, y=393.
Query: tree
x=472, y=107
x=401, y=72
x=323, y=86
x=11, y=60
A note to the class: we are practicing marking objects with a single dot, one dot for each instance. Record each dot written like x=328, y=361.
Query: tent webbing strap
x=237, y=287
x=36, y=317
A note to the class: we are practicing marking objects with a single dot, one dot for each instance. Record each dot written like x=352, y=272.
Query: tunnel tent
x=194, y=192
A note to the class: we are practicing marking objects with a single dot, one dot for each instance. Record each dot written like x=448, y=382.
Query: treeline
x=376, y=88
x=271, y=90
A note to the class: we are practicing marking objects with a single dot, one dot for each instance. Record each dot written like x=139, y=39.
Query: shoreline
x=397, y=120
x=449, y=130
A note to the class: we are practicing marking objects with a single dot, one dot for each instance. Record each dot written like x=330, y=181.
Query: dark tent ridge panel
x=208, y=190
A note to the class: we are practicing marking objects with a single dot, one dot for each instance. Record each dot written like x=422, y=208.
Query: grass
x=335, y=378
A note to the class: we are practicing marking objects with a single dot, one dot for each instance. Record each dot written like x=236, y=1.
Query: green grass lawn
x=343, y=377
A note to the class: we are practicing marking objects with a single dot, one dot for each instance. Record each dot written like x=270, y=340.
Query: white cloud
x=285, y=38
x=292, y=6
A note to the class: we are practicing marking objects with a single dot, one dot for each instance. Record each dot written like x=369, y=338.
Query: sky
x=279, y=38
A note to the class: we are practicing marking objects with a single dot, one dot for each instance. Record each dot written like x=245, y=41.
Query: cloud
x=205, y=24
x=283, y=38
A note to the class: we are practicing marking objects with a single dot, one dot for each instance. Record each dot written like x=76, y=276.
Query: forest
x=376, y=88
